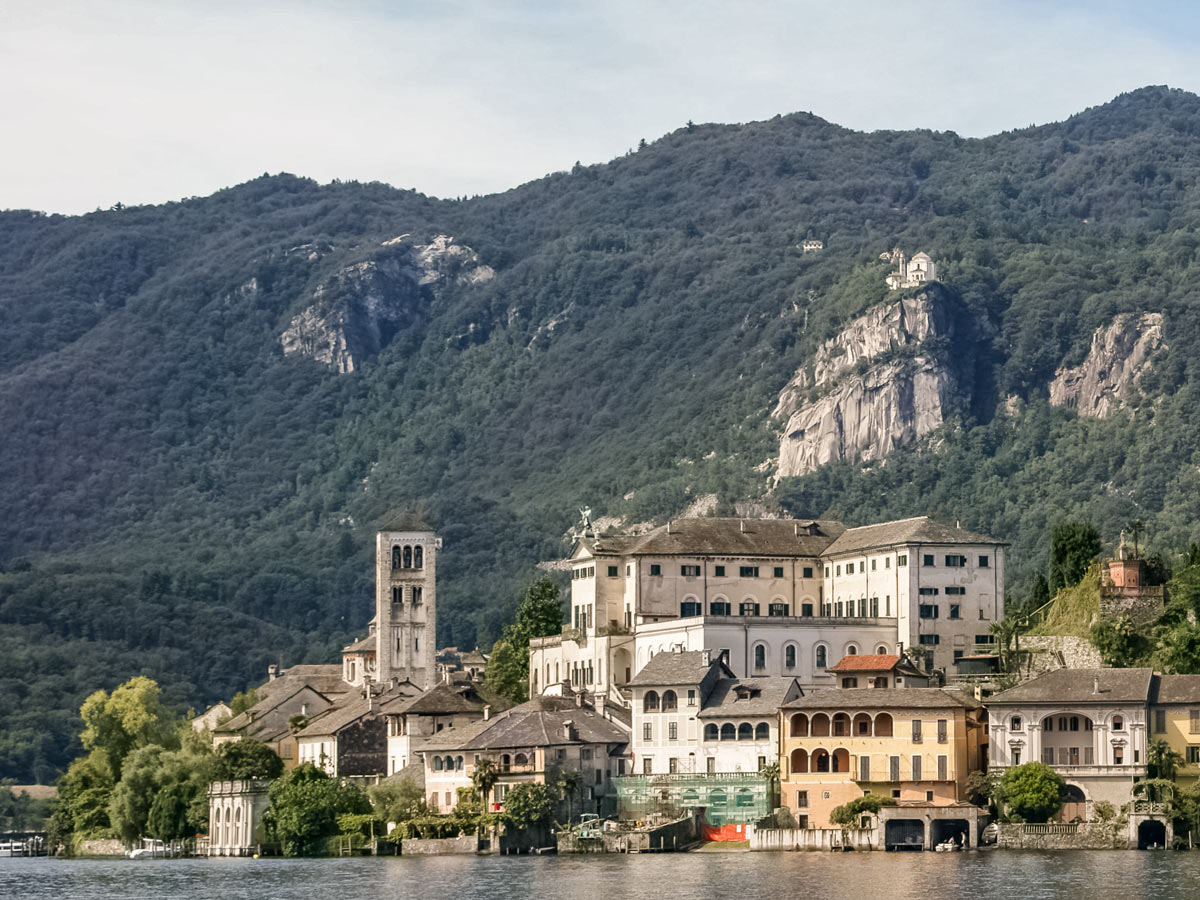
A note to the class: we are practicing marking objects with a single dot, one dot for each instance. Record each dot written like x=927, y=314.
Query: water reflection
x=744, y=876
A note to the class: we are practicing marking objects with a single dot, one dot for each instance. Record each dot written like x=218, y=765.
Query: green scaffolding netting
x=731, y=798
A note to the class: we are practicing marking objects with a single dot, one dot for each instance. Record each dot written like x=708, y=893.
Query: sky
x=146, y=101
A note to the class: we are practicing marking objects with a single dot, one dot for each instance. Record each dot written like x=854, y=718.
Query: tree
x=243, y=700
x=1073, y=546
x=1162, y=761
x=980, y=787
x=398, y=799
x=246, y=759
x=81, y=808
x=305, y=805
x=770, y=771
x=168, y=816
x=1031, y=792
x=484, y=778
x=527, y=805
x=568, y=782
x=538, y=615
x=849, y=814
x=1040, y=594
x=131, y=716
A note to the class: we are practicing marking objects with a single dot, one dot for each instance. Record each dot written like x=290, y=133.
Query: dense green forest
x=184, y=501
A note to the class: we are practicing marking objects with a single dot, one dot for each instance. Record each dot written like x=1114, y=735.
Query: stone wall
x=464, y=844
x=1076, y=653
x=1140, y=606
x=1082, y=836
x=812, y=838
x=103, y=847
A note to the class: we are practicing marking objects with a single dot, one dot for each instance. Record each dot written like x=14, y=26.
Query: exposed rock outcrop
x=884, y=381
x=1121, y=353
x=356, y=313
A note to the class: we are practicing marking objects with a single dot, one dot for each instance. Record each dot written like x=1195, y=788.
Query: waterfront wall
x=101, y=847
x=1076, y=836
x=464, y=844
x=812, y=838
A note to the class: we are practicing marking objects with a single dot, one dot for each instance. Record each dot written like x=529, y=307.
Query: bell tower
x=406, y=603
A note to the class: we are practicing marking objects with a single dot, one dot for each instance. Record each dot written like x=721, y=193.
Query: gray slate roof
x=1078, y=686
x=536, y=723
x=772, y=693
x=1178, y=689
x=351, y=710
x=447, y=699
x=687, y=667
x=904, y=698
x=918, y=530
x=734, y=537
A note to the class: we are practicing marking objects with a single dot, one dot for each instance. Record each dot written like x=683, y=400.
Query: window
x=789, y=656
x=902, y=559
x=673, y=765
x=710, y=765
x=927, y=560
x=777, y=609
x=874, y=608
x=893, y=768
x=929, y=640
x=956, y=562
x=585, y=753
x=762, y=732
x=864, y=767
x=887, y=562
x=719, y=608
x=1016, y=756
x=916, y=768
x=984, y=562
x=954, y=609
x=416, y=596
x=612, y=572
x=748, y=608
x=1160, y=720
x=777, y=572
x=650, y=702
x=1193, y=755
x=760, y=656
x=929, y=796
x=728, y=732
x=808, y=572
x=691, y=697
x=806, y=609
x=928, y=610
x=672, y=731
x=670, y=702
x=916, y=731
x=1194, y=721
x=647, y=731
x=958, y=591
x=655, y=569
x=691, y=608
x=821, y=657
x=927, y=592
x=873, y=565
x=745, y=732
x=838, y=570
x=711, y=732
x=1015, y=724
x=689, y=570
x=1118, y=723
x=827, y=571
x=647, y=765
x=849, y=568
x=801, y=799
x=985, y=639
x=398, y=595
x=748, y=571
x=941, y=727
x=1118, y=756
x=850, y=681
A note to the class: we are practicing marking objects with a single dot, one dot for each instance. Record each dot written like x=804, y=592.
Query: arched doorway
x=904, y=834
x=1152, y=834
x=1074, y=806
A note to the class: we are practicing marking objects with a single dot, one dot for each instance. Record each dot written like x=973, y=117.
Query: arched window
x=883, y=725
x=820, y=725
x=711, y=732
x=841, y=725
x=718, y=799
x=822, y=656
x=520, y=760
x=789, y=656
x=670, y=702
x=505, y=763
x=762, y=732
x=862, y=725
x=799, y=725
x=728, y=732
x=459, y=762
x=799, y=761
x=408, y=557
x=881, y=650
x=745, y=797
x=437, y=764
x=760, y=656
x=841, y=760
x=650, y=702
x=745, y=732
x=820, y=761
x=449, y=764
x=418, y=557
x=396, y=557
x=851, y=650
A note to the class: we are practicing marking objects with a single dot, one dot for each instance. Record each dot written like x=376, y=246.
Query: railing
x=1149, y=808
x=1053, y=828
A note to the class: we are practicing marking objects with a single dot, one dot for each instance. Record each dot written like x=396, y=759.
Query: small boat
x=11, y=848
x=946, y=847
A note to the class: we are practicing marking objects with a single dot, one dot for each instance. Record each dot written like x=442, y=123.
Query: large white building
x=774, y=597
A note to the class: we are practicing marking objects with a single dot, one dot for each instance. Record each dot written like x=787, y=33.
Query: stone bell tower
x=406, y=603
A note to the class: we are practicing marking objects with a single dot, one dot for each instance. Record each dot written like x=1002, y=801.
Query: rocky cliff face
x=882, y=382
x=356, y=313
x=1121, y=353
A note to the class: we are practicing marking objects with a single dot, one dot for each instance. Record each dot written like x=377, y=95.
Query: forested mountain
x=183, y=498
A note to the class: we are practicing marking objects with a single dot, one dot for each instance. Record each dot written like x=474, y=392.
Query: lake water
x=1092, y=875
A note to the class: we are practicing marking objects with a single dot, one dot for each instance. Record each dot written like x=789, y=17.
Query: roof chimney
x=487, y=711
x=568, y=730
x=668, y=526
x=1095, y=684
x=579, y=699
x=272, y=672
x=742, y=525
x=706, y=657
x=598, y=702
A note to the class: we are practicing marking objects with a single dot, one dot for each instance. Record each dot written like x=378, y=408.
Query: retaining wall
x=1080, y=836
x=812, y=838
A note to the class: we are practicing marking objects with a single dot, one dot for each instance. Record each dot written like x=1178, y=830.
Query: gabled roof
x=749, y=697
x=866, y=662
x=917, y=530
x=447, y=699
x=252, y=721
x=366, y=644
x=874, y=698
x=673, y=667
x=734, y=537
x=333, y=720
x=536, y=723
x=1076, y=686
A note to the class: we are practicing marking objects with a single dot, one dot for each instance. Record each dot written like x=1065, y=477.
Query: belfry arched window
x=396, y=560
x=408, y=557
x=418, y=557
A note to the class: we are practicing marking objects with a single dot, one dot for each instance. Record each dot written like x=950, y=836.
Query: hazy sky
x=141, y=102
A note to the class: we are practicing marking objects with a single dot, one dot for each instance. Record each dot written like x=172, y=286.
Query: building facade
x=406, y=604
x=235, y=812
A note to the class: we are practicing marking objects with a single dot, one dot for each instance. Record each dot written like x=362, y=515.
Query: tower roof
x=406, y=521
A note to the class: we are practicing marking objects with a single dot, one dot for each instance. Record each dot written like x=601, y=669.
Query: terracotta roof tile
x=867, y=662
